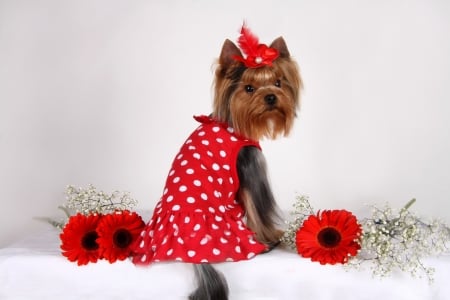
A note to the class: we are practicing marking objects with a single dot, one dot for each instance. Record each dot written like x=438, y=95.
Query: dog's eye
x=278, y=83
x=249, y=89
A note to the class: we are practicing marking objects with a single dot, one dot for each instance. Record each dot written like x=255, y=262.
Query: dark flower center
x=122, y=238
x=329, y=237
x=89, y=241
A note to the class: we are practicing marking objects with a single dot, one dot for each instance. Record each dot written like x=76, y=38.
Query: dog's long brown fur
x=251, y=116
x=257, y=103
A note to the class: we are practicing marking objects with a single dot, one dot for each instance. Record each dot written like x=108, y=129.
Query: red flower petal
x=329, y=237
x=117, y=232
x=78, y=239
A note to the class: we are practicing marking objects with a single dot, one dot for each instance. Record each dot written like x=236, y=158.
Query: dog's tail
x=211, y=284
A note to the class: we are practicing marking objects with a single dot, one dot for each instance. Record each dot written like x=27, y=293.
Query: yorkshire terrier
x=217, y=204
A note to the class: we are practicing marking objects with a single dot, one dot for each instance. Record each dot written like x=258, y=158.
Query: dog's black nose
x=270, y=99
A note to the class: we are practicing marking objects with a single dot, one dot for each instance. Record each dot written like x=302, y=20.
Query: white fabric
x=35, y=269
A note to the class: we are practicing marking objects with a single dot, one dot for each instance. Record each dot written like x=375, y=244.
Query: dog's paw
x=273, y=245
x=275, y=242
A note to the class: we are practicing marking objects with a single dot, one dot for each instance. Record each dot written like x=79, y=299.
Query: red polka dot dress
x=197, y=219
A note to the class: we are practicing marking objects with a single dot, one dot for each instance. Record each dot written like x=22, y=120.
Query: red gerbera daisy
x=117, y=231
x=329, y=237
x=78, y=239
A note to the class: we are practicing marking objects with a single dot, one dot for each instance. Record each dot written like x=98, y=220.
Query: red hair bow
x=257, y=55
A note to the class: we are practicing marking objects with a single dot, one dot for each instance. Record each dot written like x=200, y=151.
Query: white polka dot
x=218, y=218
x=176, y=179
x=250, y=255
x=216, y=251
x=222, y=208
x=231, y=180
x=252, y=241
x=196, y=156
x=230, y=129
x=205, y=142
x=201, y=133
x=217, y=194
x=188, y=141
x=219, y=140
x=220, y=180
x=233, y=139
x=180, y=156
x=197, y=227
x=228, y=259
x=161, y=227
x=187, y=219
x=191, y=253
x=144, y=258
x=150, y=233
x=169, y=252
x=169, y=198
x=190, y=200
x=171, y=218
x=204, y=260
x=142, y=244
x=175, y=227
x=197, y=182
x=226, y=167
x=216, y=129
x=211, y=210
x=203, y=167
x=176, y=207
x=237, y=249
x=223, y=240
x=210, y=179
x=165, y=191
x=227, y=232
x=214, y=226
x=222, y=153
x=204, y=241
x=210, y=154
x=180, y=241
x=215, y=166
x=171, y=172
x=184, y=162
x=191, y=147
x=164, y=241
x=204, y=196
x=183, y=188
x=190, y=171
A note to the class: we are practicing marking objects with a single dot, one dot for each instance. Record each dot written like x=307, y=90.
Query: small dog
x=217, y=204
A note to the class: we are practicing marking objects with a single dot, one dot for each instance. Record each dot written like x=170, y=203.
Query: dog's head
x=258, y=95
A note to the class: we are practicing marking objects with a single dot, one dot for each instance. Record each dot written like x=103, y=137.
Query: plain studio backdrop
x=103, y=93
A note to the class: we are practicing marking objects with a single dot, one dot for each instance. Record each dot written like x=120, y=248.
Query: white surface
x=34, y=269
x=103, y=92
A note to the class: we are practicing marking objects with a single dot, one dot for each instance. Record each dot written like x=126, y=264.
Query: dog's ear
x=280, y=45
x=228, y=54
